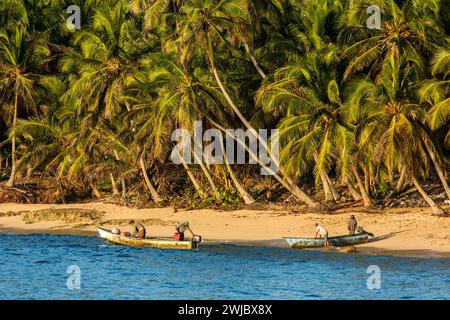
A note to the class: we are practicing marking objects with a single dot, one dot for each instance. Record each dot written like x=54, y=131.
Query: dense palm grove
x=362, y=113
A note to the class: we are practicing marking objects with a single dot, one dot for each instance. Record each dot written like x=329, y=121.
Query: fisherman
x=181, y=228
x=139, y=231
x=322, y=233
x=352, y=224
x=360, y=230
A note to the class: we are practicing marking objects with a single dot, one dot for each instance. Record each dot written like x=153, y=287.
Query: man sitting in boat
x=352, y=224
x=181, y=228
x=138, y=230
x=322, y=233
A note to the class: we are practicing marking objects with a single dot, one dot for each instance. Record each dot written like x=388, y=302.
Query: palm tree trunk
x=29, y=172
x=248, y=199
x=192, y=177
x=332, y=187
x=366, y=197
x=390, y=177
x=122, y=179
x=438, y=168
x=124, y=192
x=215, y=191
x=97, y=193
x=294, y=189
x=355, y=194
x=436, y=209
x=299, y=193
x=114, y=185
x=230, y=101
x=401, y=180
x=253, y=59
x=366, y=179
x=124, y=187
x=12, y=177
x=329, y=190
x=61, y=192
x=156, y=197
x=326, y=187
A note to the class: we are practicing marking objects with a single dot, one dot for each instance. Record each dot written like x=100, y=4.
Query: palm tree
x=393, y=115
x=22, y=55
x=202, y=25
x=436, y=94
x=98, y=105
x=312, y=129
x=111, y=54
x=406, y=27
x=12, y=12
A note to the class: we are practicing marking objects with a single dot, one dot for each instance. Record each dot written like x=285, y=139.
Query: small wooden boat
x=148, y=242
x=340, y=241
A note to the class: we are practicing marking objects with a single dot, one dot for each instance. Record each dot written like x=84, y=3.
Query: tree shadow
x=386, y=236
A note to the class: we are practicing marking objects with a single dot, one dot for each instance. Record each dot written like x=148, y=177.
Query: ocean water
x=46, y=267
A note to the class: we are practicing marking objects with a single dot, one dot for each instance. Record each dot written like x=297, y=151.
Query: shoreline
x=405, y=232
x=276, y=243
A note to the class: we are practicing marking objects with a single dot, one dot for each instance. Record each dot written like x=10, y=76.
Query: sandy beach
x=406, y=232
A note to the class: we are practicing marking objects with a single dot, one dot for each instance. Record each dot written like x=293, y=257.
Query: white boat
x=165, y=243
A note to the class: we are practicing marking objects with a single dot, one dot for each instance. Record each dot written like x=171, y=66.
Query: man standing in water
x=322, y=233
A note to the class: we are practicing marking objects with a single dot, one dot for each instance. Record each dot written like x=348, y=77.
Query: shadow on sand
x=386, y=236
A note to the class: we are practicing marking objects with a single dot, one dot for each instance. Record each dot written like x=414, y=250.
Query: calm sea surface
x=36, y=267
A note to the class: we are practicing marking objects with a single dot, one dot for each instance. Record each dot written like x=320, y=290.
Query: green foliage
x=92, y=103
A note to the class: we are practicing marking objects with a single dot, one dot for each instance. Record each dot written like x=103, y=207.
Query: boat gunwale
x=162, y=243
x=337, y=241
x=365, y=235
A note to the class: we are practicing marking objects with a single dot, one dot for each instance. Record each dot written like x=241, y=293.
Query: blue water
x=35, y=267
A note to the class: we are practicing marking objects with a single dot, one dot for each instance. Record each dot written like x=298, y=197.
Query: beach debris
x=17, y=195
x=11, y=213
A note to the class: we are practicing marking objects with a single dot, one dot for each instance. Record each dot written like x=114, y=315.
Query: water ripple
x=36, y=267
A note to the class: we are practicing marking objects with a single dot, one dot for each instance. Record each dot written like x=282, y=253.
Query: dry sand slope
x=411, y=232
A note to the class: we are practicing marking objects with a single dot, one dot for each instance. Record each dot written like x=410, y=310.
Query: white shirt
x=322, y=231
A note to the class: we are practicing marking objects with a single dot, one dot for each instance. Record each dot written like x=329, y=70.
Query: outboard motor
x=196, y=239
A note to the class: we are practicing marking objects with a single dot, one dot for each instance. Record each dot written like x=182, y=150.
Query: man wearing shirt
x=138, y=230
x=352, y=224
x=181, y=229
x=322, y=233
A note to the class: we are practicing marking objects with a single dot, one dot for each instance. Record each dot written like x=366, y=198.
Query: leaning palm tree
x=22, y=55
x=201, y=28
x=312, y=129
x=109, y=56
x=435, y=93
x=389, y=107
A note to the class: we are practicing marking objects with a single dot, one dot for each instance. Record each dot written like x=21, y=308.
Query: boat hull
x=340, y=241
x=154, y=243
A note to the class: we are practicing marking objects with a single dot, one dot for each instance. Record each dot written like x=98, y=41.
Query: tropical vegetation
x=359, y=110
